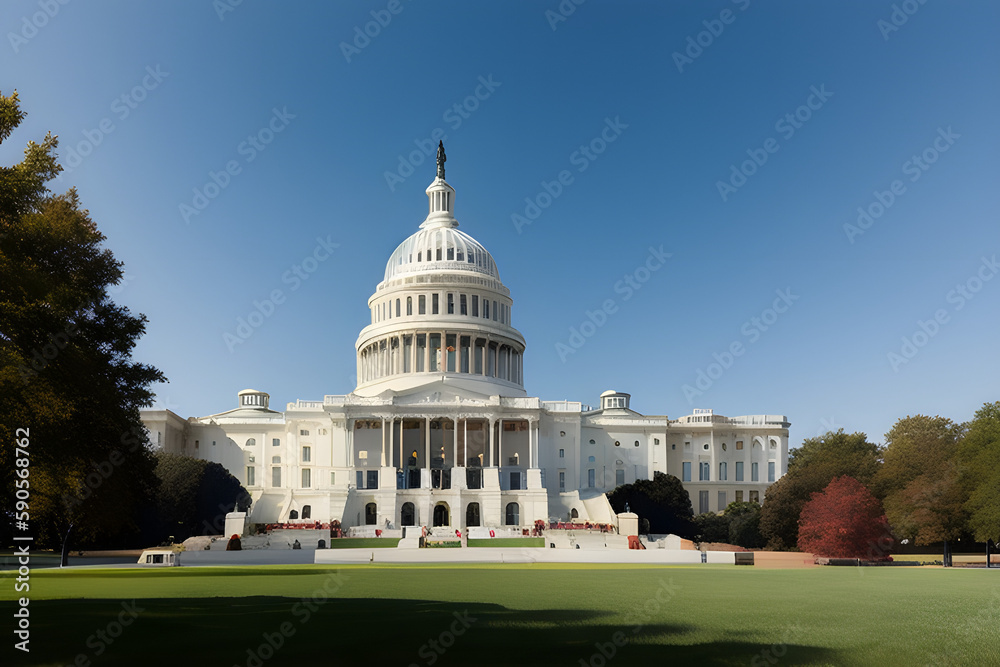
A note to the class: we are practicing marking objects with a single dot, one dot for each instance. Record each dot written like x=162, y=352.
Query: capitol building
x=440, y=431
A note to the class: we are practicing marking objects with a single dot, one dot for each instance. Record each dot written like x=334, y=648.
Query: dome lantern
x=441, y=198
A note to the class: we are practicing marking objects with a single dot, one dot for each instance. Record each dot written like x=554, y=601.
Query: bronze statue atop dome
x=441, y=159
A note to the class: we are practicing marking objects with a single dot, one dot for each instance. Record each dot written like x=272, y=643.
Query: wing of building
x=440, y=431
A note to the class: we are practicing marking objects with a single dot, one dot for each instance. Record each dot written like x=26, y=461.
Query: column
x=454, y=444
x=382, y=448
x=532, y=439
x=500, y=443
x=350, y=445
x=489, y=451
x=427, y=352
x=465, y=442
x=427, y=443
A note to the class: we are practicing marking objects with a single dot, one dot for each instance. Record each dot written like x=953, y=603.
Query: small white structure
x=235, y=524
x=163, y=557
x=439, y=430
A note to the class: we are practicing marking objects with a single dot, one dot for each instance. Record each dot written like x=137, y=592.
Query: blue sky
x=739, y=137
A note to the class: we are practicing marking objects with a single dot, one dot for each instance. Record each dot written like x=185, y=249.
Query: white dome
x=440, y=248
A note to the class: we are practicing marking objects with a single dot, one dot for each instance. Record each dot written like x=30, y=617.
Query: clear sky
x=216, y=145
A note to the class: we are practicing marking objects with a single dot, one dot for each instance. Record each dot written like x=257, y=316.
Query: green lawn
x=516, y=614
x=508, y=542
x=364, y=543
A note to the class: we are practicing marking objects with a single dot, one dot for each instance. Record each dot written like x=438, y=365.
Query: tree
x=195, y=496
x=919, y=481
x=811, y=466
x=744, y=525
x=711, y=527
x=844, y=520
x=66, y=373
x=663, y=500
x=979, y=453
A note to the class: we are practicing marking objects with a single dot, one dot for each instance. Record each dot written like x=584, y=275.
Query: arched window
x=251, y=442
x=472, y=515
x=307, y=511
x=397, y=307
x=409, y=305
x=441, y=515
x=407, y=515
x=513, y=515
x=293, y=515
x=573, y=514
x=371, y=513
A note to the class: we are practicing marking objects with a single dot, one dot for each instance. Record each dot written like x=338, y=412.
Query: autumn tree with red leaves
x=845, y=520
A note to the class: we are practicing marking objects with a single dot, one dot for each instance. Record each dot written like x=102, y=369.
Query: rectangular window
x=486, y=308
x=723, y=473
x=333, y=478
x=770, y=471
x=361, y=479
x=435, y=345
x=754, y=477
x=421, y=351
x=372, y=479
x=306, y=454
x=407, y=354
x=755, y=497
x=562, y=453
x=475, y=305
x=619, y=477
x=739, y=471
x=276, y=477
x=463, y=306
x=303, y=432
x=494, y=311
x=477, y=366
x=450, y=352
x=306, y=478
x=434, y=304
x=739, y=496
x=703, y=472
x=466, y=343
x=722, y=500
x=562, y=480
x=451, y=303
x=515, y=481
x=275, y=442
x=739, y=444
x=686, y=472
x=591, y=478
x=250, y=476
x=702, y=502
x=503, y=313
x=421, y=305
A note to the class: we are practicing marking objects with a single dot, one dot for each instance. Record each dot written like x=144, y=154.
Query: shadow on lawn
x=345, y=631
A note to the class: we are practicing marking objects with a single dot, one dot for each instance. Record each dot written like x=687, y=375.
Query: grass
x=365, y=543
x=517, y=614
x=508, y=542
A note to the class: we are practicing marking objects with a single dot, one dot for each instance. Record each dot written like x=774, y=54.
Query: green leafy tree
x=744, y=525
x=195, y=496
x=66, y=373
x=711, y=527
x=979, y=454
x=663, y=500
x=812, y=466
x=919, y=479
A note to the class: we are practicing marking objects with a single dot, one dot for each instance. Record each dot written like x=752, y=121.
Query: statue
x=441, y=159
